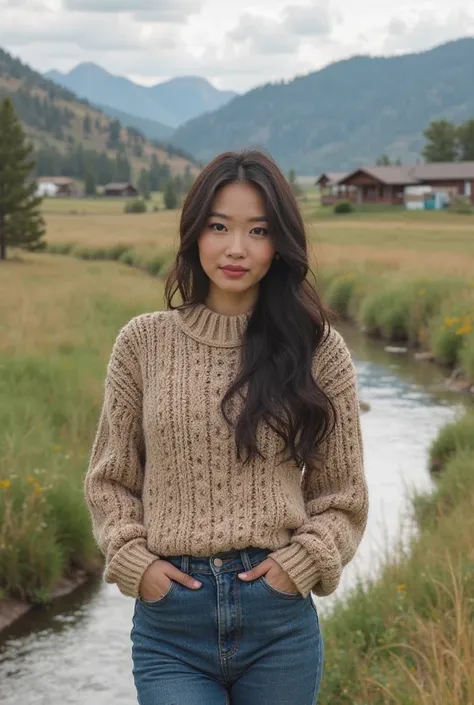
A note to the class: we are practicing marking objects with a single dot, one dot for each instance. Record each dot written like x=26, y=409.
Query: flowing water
x=77, y=652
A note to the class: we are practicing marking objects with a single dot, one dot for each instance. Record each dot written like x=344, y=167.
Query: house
x=55, y=186
x=120, y=190
x=331, y=191
x=390, y=184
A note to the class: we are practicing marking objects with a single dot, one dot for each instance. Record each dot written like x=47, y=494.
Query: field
x=438, y=242
x=402, y=640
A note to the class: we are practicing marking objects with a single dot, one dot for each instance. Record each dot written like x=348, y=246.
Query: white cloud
x=163, y=8
x=263, y=35
x=428, y=30
x=235, y=44
x=313, y=20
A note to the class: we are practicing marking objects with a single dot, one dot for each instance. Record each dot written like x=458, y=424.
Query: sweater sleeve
x=114, y=479
x=335, y=490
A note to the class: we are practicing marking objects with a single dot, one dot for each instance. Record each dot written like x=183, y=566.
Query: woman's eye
x=261, y=231
x=219, y=227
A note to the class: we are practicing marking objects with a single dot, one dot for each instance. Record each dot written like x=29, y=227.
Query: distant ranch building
x=330, y=188
x=391, y=184
x=55, y=186
x=120, y=190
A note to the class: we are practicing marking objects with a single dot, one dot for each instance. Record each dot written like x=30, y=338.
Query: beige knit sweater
x=164, y=478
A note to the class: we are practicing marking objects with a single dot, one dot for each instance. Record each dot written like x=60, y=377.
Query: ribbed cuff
x=128, y=565
x=298, y=564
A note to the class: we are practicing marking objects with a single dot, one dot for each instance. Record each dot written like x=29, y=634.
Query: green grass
x=407, y=638
x=434, y=312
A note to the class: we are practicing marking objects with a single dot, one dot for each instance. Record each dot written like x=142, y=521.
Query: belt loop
x=184, y=563
x=245, y=559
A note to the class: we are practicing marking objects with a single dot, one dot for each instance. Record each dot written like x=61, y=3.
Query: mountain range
x=346, y=114
x=168, y=104
x=63, y=127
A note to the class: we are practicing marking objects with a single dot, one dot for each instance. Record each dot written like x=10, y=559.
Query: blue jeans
x=229, y=641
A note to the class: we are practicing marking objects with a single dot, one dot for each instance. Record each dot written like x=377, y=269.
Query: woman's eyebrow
x=256, y=219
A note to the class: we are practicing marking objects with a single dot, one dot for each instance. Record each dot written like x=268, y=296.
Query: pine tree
x=170, y=196
x=466, y=141
x=143, y=184
x=21, y=223
x=90, y=184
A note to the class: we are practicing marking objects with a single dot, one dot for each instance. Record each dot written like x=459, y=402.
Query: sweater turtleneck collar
x=216, y=329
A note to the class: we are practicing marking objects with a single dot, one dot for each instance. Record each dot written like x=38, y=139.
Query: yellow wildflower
x=57, y=448
x=401, y=588
x=5, y=484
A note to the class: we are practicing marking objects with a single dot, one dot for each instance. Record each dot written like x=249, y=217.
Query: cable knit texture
x=164, y=478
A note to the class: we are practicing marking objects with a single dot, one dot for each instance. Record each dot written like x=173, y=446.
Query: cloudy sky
x=236, y=44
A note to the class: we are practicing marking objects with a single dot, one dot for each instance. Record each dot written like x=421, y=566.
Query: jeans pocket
x=279, y=593
x=164, y=598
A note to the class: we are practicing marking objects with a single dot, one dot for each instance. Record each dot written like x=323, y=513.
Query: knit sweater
x=164, y=478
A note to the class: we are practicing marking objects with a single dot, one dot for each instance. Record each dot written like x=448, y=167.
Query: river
x=77, y=652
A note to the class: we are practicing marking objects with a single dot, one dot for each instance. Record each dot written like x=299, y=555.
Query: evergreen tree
x=441, y=144
x=21, y=223
x=114, y=134
x=86, y=125
x=170, y=196
x=293, y=183
x=90, y=185
x=466, y=141
x=384, y=160
x=143, y=184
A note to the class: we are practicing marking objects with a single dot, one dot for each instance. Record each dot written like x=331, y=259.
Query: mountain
x=171, y=103
x=60, y=124
x=346, y=114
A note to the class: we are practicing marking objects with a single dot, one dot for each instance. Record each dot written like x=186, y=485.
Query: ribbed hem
x=128, y=566
x=298, y=564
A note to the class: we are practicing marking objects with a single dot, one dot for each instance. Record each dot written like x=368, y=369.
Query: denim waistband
x=225, y=562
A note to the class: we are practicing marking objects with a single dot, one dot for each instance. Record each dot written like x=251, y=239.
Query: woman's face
x=236, y=237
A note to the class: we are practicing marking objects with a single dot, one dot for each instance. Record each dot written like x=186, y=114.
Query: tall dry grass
x=58, y=320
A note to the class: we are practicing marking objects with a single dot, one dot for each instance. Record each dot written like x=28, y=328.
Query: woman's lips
x=234, y=273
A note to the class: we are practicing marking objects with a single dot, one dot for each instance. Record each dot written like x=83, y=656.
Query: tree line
x=448, y=142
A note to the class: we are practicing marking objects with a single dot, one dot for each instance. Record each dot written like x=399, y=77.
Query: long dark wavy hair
x=287, y=323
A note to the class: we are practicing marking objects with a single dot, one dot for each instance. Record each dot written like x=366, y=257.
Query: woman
x=226, y=478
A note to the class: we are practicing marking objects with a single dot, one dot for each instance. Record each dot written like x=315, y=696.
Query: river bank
x=408, y=637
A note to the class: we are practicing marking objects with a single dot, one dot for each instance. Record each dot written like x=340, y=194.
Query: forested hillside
x=345, y=115
x=70, y=136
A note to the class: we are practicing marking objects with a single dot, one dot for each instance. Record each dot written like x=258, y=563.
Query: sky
x=235, y=44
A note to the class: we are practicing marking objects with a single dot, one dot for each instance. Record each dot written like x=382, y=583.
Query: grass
x=58, y=319
x=443, y=241
x=433, y=311
x=408, y=638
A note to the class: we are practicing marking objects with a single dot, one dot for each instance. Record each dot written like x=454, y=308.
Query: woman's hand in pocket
x=157, y=578
x=273, y=573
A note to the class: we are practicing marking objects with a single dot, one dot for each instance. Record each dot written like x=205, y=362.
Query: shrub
x=339, y=292
x=128, y=257
x=116, y=251
x=455, y=437
x=449, y=330
x=461, y=205
x=466, y=356
x=60, y=248
x=136, y=206
x=343, y=207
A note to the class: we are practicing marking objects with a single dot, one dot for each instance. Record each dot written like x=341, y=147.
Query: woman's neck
x=228, y=304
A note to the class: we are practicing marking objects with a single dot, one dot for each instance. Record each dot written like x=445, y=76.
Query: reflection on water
x=77, y=652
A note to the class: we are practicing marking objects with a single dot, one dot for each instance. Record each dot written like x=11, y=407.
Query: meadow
x=407, y=277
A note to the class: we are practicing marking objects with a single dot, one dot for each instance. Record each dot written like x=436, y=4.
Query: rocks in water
x=425, y=356
x=458, y=382
x=364, y=406
x=396, y=350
